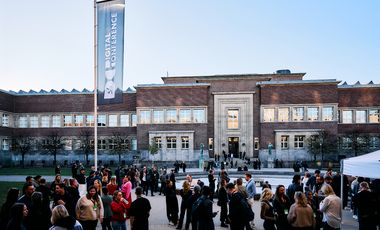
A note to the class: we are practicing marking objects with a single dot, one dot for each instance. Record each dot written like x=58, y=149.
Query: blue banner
x=110, y=51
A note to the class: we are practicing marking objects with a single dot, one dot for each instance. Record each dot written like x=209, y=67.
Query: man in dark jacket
x=238, y=219
x=222, y=202
x=139, y=211
x=365, y=201
x=192, y=200
x=205, y=213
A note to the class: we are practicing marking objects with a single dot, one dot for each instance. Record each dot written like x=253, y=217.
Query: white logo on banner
x=110, y=59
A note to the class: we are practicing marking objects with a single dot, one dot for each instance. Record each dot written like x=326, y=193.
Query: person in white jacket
x=331, y=209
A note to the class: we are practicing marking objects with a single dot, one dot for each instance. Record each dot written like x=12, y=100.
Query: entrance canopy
x=367, y=165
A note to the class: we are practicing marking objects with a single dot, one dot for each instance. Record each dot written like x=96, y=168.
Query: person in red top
x=112, y=186
x=119, y=207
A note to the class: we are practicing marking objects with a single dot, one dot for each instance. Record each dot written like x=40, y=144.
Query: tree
x=321, y=143
x=119, y=144
x=52, y=144
x=23, y=145
x=153, y=147
x=86, y=144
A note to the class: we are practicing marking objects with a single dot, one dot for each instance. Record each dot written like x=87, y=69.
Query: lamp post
x=320, y=149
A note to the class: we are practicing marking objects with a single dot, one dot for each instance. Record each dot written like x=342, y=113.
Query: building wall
x=359, y=97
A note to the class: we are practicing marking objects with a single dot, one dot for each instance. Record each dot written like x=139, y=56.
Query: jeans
x=119, y=225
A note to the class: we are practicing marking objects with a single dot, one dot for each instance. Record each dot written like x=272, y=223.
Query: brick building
x=187, y=115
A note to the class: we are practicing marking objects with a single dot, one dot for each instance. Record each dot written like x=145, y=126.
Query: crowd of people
x=105, y=196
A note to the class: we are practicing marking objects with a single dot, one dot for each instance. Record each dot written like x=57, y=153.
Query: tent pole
x=341, y=188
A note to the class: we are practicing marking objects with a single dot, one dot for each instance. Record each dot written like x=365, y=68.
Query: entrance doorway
x=233, y=146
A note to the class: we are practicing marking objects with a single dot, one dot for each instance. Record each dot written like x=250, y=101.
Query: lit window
x=312, y=114
x=158, y=116
x=210, y=143
x=374, y=142
x=284, y=142
x=299, y=142
x=33, y=121
x=158, y=141
x=101, y=144
x=90, y=120
x=298, y=114
x=23, y=122
x=5, y=145
x=45, y=122
x=283, y=114
x=185, y=142
x=78, y=120
x=233, y=119
x=171, y=142
x=5, y=120
x=374, y=116
x=361, y=116
x=184, y=115
x=145, y=117
x=67, y=121
x=347, y=116
x=328, y=113
x=268, y=115
x=56, y=121
x=102, y=120
x=134, y=123
x=171, y=116
x=112, y=120
x=199, y=115
x=124, y=120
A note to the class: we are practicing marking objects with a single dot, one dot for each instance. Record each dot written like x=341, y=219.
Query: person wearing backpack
x=240, y=213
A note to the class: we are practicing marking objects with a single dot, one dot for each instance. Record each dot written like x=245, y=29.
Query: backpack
x=197, y=206
x=249, y=214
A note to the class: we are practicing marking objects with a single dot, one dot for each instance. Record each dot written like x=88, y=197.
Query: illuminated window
x=347, y=116
x=145, y=117
x=298, y=114
x=312, y=114
x=184, y=115
x=361, y=116
x=185, y=142
x=328, y=113
x=374, y=116
x=299, y=142
x=158, y=116
x=23, y=122
x=268, y=115
x=102, y=120
x=5, y=120
x=233, y=119
x=199, y=115
x=284, y=142
x=171, y=116
x=256, y=143
x=283, y=114
x=210, y=143
x=124, y=120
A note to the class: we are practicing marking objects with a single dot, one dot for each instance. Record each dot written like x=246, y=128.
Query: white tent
x=367, y=165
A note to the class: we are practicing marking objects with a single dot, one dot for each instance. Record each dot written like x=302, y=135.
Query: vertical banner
x=110, y=51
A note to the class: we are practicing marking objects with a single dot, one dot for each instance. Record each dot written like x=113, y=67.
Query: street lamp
x=320, y=149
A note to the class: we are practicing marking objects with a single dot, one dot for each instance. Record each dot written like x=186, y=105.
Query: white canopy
x=367, y=165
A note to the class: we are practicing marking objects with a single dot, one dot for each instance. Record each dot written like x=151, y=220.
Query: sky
x=48, y=44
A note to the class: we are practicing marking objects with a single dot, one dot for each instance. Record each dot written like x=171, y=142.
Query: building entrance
x=233, y=146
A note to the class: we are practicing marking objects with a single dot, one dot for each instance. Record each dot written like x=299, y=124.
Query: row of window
x=360, y=116
x=75, y=144
x=171, y=142
x=371, y=142
x=160, y=116
x=77, y=120
x=298, y=114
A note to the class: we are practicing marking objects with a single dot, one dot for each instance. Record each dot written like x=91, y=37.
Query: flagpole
x=95, y=92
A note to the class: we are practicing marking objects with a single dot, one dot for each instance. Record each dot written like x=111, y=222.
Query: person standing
x=119, y=207
x=222, y=202
x=331, y=209
x=294, y=187
x=12, y=197
x=301, y=215
x=140, y=211
x=364, y=200
x=281, y=206
x=196, y=195
x=185, y=195
x=62, y=220
x=106, y=200
x=18, y=213
x=267, y=212
x=211, y=183
x=171, y=203
x=250, y=188
x=205, y=213
x=237, y=213
x=89, y=209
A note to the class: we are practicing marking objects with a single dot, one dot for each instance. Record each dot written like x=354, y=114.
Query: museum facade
x=189, y=115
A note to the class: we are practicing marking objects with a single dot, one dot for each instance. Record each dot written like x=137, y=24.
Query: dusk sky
x=49, y=44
